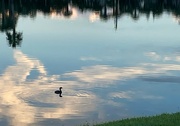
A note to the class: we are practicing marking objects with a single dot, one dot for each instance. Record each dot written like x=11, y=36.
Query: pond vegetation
x=158, y=120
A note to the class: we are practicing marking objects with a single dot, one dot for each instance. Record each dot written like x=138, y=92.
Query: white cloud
x=102, y=75
x=90, y=59
x=59, y=15
x=167, y=58
x=156, y=56
x=122, y=94
x=94, y=16
x=153, y=55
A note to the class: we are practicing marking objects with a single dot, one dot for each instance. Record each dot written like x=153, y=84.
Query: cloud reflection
x=90, y=59
x=165, y=79
x=20, y=97
x=26, y=101
x=130, y=95
x=156, y=56
x=104, y=73
x=153, y=55
x=122, y=94
x=94, y=16
x=108, y=74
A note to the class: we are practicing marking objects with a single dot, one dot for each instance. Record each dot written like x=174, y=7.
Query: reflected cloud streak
x=108, y=74
x=153, y=55
x=104, y=73
x=90, y=59
x=156, y=56
x=131, y=95
x=122, y=94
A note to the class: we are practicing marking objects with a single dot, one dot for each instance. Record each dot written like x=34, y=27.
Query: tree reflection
x=132, y=7
x=9, y=25
x=67, y=10
x=14, y=39
x=10, y=10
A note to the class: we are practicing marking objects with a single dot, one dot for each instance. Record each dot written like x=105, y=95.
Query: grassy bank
x=159, y=120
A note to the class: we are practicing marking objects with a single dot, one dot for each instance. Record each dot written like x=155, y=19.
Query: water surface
x=114, y=60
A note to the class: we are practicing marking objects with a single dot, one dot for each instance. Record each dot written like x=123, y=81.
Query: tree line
x=10, y=10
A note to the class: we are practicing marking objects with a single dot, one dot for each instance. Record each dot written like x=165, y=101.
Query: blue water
x=106, y=73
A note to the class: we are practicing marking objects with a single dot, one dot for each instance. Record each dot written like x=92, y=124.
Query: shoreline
x=165, y=119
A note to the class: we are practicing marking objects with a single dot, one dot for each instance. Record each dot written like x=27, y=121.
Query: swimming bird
x=59, y=92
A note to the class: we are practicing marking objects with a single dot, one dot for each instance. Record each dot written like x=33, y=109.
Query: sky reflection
x=28, y=101
x=20, y=98
x=110, y=66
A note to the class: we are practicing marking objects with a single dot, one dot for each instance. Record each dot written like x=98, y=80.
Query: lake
x=114, y=59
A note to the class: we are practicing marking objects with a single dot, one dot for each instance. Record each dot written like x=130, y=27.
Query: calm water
x=114, y=59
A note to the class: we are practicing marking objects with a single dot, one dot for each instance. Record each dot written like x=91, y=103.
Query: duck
x=59, y=92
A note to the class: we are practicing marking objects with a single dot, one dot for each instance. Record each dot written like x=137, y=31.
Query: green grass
x=159, y=120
